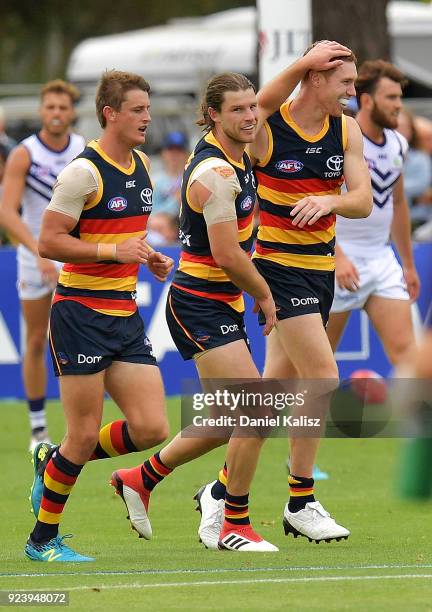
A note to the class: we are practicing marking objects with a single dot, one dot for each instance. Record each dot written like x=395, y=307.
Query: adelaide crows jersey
x=117, y=211
x=298, y=165
x=198, y=273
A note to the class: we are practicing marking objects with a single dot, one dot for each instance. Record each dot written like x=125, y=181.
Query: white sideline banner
x=285, y=31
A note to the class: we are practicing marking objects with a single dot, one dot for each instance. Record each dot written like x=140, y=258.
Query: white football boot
x=244, y=539
x=314, y=523
x=38, y=438
x=212, y=516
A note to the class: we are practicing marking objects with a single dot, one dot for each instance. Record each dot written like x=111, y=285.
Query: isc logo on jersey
x=289, y=165
x=247, y=203
x=117, y=204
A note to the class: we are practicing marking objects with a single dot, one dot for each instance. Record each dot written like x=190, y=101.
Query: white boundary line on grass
x=220, y=570
x=136, y=585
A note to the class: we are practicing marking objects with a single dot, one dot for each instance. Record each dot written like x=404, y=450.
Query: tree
x=37, y=38
x=361, y=25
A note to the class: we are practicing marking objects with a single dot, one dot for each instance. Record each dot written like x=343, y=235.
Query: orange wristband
x=106, y=252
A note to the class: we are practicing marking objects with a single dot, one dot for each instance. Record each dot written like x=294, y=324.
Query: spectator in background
x=4, y=152
x=417, y=169
x=5, y=140
x=163, y=230
x=424, y=130
x=3, y=157
x=167, y=191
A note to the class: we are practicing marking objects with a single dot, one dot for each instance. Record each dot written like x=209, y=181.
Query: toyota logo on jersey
x=335, y=163
x=146, y=195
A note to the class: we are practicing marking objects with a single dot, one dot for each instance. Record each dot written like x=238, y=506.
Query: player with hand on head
x=216, y=231
x=295, y=249
x=303, y=154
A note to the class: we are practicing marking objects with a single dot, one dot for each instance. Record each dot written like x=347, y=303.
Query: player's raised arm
x=322, y=56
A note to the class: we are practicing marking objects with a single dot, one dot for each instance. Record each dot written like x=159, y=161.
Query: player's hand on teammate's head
x=160, y=265
x=268, y=308
x=321, y=56
x=133, y=250
x=48, y=271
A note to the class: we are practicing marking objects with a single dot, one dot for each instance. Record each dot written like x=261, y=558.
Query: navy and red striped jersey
x=198, y=272
x=117, y=211
x=297, y=165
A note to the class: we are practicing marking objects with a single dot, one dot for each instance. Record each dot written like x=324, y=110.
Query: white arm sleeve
x=72, y=188
x=220, y=178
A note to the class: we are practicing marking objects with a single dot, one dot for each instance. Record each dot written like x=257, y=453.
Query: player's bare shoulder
x=19, y=160
x=354, y=135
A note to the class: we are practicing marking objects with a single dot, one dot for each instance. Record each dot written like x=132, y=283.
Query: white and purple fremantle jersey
x=385, y=161
x=45, y=166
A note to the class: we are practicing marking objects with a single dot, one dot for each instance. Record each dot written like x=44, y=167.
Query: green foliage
x=37, y=38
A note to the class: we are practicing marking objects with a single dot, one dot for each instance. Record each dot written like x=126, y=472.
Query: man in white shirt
x=368, y=275
x=30, y=174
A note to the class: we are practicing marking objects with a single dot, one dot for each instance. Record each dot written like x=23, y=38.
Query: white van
x=176, y=58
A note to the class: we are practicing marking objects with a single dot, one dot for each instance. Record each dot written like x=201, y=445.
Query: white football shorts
x=30, y=284
x=381, y=276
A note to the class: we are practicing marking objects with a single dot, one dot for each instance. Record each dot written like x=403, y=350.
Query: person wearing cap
x=166, y=194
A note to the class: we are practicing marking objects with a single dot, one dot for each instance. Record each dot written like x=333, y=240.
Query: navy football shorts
x=297, y=291
x=84, y=341
x=198, y=324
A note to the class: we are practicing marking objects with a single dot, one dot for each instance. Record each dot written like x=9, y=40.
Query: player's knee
x=399, y=350
x=85, y=440
x=36, y=343
x=149, y=435
x=332, y=373
x=323, y=371
x=158, y=434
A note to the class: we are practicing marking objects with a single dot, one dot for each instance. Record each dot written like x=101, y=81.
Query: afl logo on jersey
x=117, y=204
x=247, y=203
x=289, y=165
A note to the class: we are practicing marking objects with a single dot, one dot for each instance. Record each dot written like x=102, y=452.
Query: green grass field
x=386, y=564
